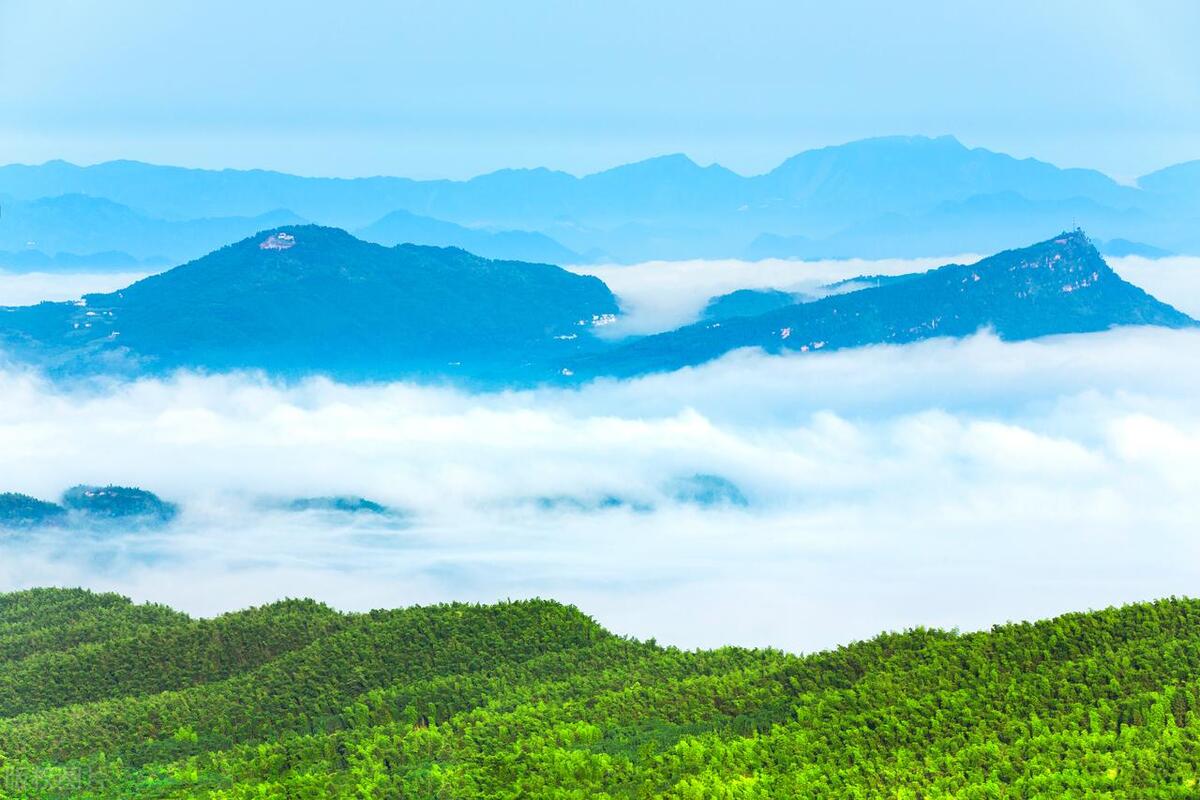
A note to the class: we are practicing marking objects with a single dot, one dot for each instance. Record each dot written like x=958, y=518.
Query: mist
x=949, y=483
x=657, y=296
x=30, y=288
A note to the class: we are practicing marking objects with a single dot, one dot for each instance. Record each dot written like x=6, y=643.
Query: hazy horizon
x=1127, y=180
x=453, y=91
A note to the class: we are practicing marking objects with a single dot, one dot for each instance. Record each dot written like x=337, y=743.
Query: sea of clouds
x=949, y=483
x=28, y=288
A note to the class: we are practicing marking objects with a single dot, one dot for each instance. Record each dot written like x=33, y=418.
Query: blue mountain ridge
x=400, y=227
x=307, y=299
x=889, y=196
x=304, y=300
x=1061, y=285
x=80, y=224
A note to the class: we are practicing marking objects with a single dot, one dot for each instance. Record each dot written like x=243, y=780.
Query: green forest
x=104, y=698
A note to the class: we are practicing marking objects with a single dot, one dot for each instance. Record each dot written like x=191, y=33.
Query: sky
x=460, y=88
x=953, y=483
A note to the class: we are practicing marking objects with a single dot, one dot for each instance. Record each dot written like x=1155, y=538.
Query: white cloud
x=1031, y=478
x=660, y=295
x=28, y=288
x=1174, y=280
x=946, y=483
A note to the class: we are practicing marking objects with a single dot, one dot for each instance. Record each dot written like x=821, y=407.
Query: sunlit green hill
x=103, y=698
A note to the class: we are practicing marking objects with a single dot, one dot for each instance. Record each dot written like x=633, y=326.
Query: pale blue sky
x=455, y=89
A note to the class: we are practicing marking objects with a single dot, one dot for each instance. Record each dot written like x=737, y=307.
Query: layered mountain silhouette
x=305, y=299
x=85, y=225
x=890, y=196
x=308, y=299
x=401, y=227
x=33, y=260
x=1057, y=286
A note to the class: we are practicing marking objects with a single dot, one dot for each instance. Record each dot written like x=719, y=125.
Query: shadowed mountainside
x=316, y=300
x=1061, y=285
x=309, y=300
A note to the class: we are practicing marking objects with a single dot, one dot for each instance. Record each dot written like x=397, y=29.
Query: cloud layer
x=29, y=288
x=945, y=483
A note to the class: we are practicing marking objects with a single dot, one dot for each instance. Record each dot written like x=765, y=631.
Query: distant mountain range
x=891, y=196
x=112, y=234
x=400, y=227
x=301, y=300
x=32, y=260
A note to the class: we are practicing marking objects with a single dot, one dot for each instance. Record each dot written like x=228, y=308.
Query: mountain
x=338, y=504
x=23, y=511
x=747, y=303
x=178, y=193
x=102, y=698
x=305, y=299
x=401, y=227
x=980, y=223
x=889, y=196
x=87, y=506
x=310, y=300
x=912, y=174
x=1119, y=248
x=665, y=185
x=1178, y=184
x=900, y=174
x=29, y=260
x=853, y=284
x=119, y=503
x=1058, y=286
x=81, y=224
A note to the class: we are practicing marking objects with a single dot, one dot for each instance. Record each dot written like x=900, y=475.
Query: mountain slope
x=908, y=174
x=1179, y=183
x=534, y=699
x=1058, y=286
x=31, y=260
x=981, y=223
x=309, y=299
x=894, y=173
x=747, y=303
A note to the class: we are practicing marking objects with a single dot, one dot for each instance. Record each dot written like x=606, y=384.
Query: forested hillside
x=306, y=299
x=1061, y=285
x=104, y=698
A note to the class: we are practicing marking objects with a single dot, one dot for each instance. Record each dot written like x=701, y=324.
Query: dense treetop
x=103, y=698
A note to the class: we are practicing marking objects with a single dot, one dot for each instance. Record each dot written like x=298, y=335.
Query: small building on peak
x=278, y=241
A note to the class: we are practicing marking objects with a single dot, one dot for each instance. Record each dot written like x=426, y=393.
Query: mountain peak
x=305, y=299
x=915, y=140
x=1060, y=285
x=669, y=164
